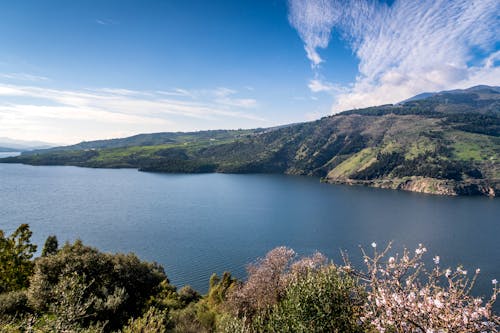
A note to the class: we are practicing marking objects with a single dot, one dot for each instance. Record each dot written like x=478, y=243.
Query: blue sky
x=83, y=70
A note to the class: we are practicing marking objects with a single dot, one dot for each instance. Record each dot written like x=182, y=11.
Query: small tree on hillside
x=16, y=252
x=50, y=246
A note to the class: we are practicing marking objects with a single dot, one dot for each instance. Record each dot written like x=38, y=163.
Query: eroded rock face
x=429, y=186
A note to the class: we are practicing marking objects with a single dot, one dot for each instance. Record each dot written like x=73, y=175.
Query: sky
x=82, y=70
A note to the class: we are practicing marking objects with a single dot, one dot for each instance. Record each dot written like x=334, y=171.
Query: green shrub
x=322, y=301
x=110, y=287
x=195, y=318
x=188, y=295
x=154, y=320
x=13, y=303
x=219, y=288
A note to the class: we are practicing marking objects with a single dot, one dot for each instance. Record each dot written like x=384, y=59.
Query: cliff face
x=430, y=186
x=447, y=144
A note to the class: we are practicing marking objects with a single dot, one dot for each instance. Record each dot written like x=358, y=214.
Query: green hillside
x=445, y=143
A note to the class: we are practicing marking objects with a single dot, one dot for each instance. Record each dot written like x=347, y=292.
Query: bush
x=323, y=301
x=219, y=288
x=154, y=320
x=13, y=303
x=195, y=318
x=188, y=295
x=268, y=279
x=105, y=287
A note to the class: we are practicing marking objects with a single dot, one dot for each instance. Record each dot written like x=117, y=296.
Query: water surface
x=195, y=225
x=9, y=153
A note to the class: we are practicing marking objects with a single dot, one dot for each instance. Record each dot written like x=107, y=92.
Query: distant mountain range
x=480, y=89
x=441, y=143
x=12, y=145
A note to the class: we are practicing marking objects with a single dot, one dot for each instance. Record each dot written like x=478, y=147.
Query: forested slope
x=446, y=143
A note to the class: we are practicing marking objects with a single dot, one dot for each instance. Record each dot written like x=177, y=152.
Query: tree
x=16, y=252
x=50, y=246
x=404, y=296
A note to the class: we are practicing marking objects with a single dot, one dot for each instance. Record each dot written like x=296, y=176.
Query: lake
x=8, y=154
x=195, y=225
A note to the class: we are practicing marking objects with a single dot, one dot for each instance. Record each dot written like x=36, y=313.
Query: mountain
x=22, y=145
x=152, y=139
x=446, y=143
x=8, y=150
x=481, y=89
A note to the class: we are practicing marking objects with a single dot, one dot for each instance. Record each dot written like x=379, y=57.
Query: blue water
x=195, y=225
x=8, y=154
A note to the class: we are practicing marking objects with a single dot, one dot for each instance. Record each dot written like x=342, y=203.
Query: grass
x=354, y=163
x=420, y=147
x=475, y=147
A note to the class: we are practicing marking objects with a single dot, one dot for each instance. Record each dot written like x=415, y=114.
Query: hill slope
x=447, y=143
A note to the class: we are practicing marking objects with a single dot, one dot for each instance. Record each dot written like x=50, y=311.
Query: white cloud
x=60, y=115
x=412, y=46
x=318, y=85
x=106, y=22
x=314, y=20
x=23, y=77
x=223, y=96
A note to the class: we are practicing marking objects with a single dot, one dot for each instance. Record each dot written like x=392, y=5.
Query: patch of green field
x=419, y=147
x=390, y=147
x=354, y=163
x=122, y=156
x=475, y=147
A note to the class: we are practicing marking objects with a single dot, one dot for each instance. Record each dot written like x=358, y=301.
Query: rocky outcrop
x=429, y=185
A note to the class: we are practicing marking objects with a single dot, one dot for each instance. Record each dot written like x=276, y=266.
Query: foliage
x=194, y=318
x=268, y=279
x=428, y=165
x=219, y=288
x=283, y=294
x=111, y=287
x=321, y=301
x=188, y=295
x=266, y=283
x=50, y=246
x=154, y=320
x=13, y=303
x=488, y=124
x=79, y=289
x=15, y=254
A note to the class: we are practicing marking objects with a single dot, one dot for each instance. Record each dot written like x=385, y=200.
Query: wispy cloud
x=23, y=77
x=318, y=85
x=408, y=47
x=101, y=113
x=225, y=96
x=106, y=22
x=314, y=20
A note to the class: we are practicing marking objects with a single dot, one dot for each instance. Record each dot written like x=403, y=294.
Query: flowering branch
x=405, y=297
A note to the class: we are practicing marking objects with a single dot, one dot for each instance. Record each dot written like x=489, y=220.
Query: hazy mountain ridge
x=9, y=145
x=446, y=143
